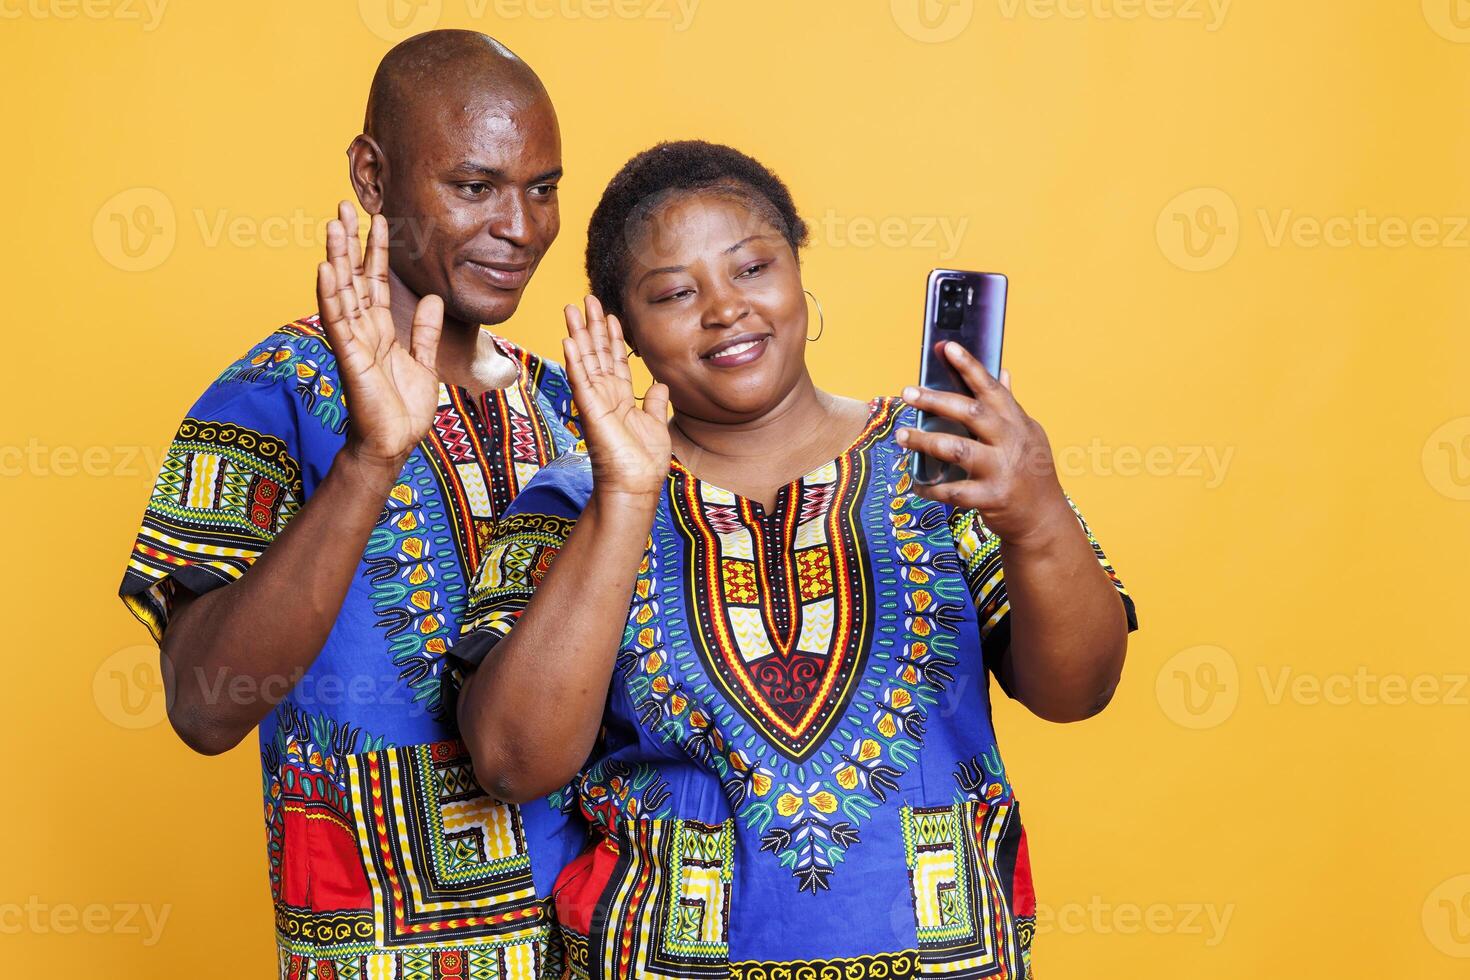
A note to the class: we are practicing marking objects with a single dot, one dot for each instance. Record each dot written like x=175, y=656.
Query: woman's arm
x=1068, y=624
x=530, y=712
x=1068, y=627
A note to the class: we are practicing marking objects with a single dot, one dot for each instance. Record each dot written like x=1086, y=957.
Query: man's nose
x=511, y=221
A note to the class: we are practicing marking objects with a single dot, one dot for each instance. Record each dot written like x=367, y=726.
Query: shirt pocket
x=664, y=909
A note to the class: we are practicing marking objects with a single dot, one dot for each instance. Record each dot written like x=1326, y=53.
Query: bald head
x=440, y=73
x=461, y=152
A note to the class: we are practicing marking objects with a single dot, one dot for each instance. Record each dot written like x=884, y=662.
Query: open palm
x=629, y=444
x=391, y=390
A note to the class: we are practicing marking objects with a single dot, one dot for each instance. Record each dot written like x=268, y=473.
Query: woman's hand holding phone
x=1010, y=477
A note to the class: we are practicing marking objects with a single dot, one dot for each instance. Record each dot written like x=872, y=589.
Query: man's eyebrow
x=469, y=168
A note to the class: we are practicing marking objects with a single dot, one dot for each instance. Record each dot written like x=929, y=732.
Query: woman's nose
x=725, y=308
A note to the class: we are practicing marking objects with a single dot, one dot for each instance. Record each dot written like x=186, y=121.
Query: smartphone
x=970, y=309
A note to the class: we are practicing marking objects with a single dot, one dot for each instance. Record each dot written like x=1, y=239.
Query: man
x=306, y=555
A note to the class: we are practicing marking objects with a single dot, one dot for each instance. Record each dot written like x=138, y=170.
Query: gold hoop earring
x=821, y=320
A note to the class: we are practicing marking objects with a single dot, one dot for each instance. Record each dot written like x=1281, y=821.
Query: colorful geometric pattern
x=809, y=678
x=785, y=650
x=979, y=553
x=515, y=562
x=449, y=863
x=665, y=907
x=961, y=901
x=223, y=493
x=451, y=887
x=870, y=966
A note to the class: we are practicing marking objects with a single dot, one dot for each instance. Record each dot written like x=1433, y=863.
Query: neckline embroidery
x=881, y=410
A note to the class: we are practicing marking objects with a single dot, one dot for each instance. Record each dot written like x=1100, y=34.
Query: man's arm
x=230, y=655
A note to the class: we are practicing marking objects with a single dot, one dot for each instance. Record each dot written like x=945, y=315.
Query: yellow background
x=1210, y=823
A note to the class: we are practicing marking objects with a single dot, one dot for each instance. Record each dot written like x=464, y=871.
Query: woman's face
x=714, y=306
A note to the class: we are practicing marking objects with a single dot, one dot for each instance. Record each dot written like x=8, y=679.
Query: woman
x=783, y=740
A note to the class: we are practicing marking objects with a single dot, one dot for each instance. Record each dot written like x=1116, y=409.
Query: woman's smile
x=737, y=351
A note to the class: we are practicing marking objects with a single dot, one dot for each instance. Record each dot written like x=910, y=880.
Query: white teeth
x=737, y=349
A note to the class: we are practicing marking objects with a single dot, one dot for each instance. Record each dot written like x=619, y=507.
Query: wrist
x=375, y=474
x=1050, y=528
x=624, y=505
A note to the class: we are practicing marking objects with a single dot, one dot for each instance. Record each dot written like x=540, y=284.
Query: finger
x=1005, y=379
x=581, y=340
x=338, y=253
x=978, y=420
x=597, y=329
x=347, y=214
x=656, y=401
x=375, y=270
x=969, y=455
x=584, y=394
x=971, y=371
x=619, y=349
x=424, y=334
x=329, y=305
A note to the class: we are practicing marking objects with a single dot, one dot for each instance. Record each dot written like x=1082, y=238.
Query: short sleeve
x=557, y=391
x=979, y=552
x=232, y=476
x=527, y=539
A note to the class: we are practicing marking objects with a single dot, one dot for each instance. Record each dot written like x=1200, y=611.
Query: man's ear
x=367, y=168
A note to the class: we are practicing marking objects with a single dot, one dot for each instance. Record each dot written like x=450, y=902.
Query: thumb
x=423, y=336
x=656, y=401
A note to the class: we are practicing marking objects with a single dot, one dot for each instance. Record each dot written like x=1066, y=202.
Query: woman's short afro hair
x=658, y=175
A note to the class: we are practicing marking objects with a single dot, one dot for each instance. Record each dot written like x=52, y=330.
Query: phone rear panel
x=968, y=308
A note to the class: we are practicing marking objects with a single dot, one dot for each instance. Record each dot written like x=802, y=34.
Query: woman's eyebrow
x=661, y=269
x=680, y=268
x=746, y=241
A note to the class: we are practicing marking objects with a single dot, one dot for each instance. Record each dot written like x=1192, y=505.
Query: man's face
x=471, y=197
